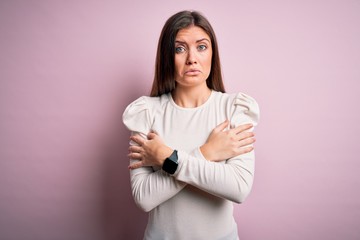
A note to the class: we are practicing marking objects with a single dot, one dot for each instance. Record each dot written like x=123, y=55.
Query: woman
x=191, y=146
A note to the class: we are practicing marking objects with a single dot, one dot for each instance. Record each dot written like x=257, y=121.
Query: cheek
x=207, y=59
x=208, y=63
x=178, y=64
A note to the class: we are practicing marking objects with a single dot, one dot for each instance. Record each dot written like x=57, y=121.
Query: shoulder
x=236, y=99
x=241, y=107
x=138, y=115
x=245, y=101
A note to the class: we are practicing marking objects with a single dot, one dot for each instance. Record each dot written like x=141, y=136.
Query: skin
x=193, y=54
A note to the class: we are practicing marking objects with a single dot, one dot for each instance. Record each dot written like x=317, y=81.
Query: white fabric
x=197, y=201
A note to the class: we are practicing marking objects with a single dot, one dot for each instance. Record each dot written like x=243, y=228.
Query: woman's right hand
x=224, y=144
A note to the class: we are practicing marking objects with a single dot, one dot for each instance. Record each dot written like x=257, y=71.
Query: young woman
x=191, y=145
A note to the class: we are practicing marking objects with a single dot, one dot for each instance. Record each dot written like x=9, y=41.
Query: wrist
x=170, y=164
x=166, y=153
x=204, y=149
x=163, y=153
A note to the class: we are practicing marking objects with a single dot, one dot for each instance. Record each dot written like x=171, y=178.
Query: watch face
x=170, y=164
x=174, y=156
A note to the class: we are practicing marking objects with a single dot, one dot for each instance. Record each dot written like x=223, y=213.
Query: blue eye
x=202, y=47
x=179, y=49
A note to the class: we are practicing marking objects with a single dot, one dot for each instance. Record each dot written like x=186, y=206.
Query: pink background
x=69, y=68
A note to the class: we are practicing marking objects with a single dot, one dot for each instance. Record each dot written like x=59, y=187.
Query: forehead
x=192, y=33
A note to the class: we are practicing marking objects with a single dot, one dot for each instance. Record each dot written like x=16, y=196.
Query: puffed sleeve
x=149, y=188
x=232, y=180
x=244, y=110
x=136, y=116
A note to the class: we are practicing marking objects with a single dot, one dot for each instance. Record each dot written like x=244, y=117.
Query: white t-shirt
x=197, y=201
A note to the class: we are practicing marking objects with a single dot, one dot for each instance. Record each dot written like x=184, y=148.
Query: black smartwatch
x=171, y=163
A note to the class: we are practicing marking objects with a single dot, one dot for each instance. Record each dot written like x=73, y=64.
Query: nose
x=191, y=58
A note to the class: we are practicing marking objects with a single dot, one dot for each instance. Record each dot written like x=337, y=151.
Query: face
x=193, y=55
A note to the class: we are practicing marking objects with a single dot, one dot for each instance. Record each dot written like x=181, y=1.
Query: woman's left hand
x=151, y=151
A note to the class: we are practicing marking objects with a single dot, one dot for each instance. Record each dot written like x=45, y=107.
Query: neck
x=191, y=97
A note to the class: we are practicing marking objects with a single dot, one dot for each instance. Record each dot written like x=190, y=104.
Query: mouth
x=192, y=72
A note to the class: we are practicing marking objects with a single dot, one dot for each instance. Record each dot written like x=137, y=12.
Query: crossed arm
x=232, y=180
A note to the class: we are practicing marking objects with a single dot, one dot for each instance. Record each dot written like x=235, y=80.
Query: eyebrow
x=203, y=39
x=200, y=40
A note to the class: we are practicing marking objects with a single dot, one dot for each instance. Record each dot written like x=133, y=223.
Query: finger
x=245, y=135
x=245, y=150
x=135, y=165
x=151, y=135
x=247, y=142
x=221, y=126
x=242, y=127
x=136, y=156
x=137, y=139
x=135, y=149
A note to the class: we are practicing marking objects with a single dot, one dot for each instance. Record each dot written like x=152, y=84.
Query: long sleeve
x=149, y=187
x=233, y=179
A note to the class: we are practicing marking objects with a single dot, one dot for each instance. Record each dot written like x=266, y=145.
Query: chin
x=192, y=83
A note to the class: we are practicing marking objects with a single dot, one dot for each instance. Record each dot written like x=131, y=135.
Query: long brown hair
x=164, y=79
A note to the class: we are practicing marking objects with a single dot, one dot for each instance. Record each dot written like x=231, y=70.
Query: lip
x=192, y=71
